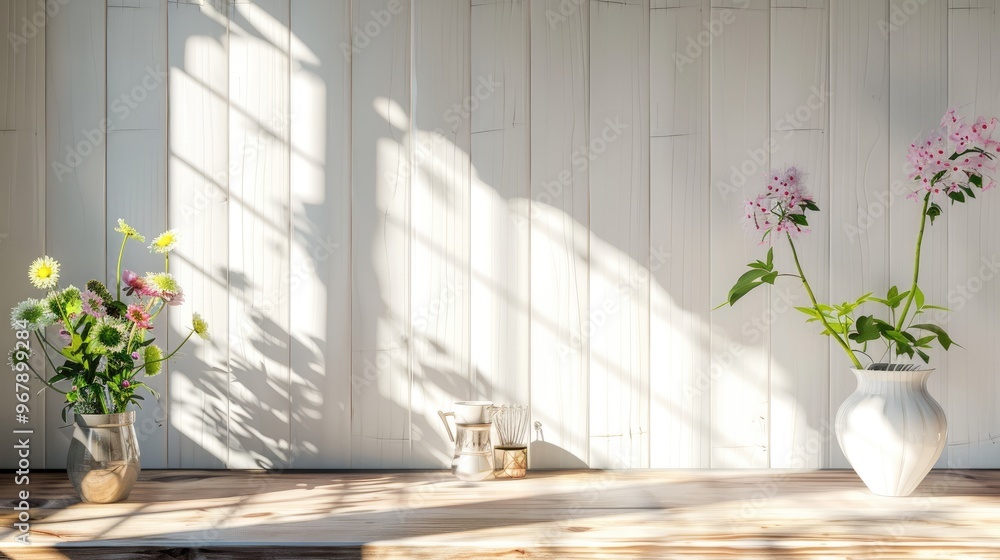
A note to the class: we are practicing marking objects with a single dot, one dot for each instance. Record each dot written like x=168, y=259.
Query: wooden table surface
x=549, y=514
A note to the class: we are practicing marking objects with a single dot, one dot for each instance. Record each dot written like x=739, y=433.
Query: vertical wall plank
x=800, y=364
x=259, y=222
x=618, y=326
x=859, y=174
x=501, y=189
x=439, y=272
x=22, y=192
x=198, y=206
x=76, y=130
x=973, y=252
x=320, y=278
x=918, y=97
x=739, y=104
x=137, y=174
x=380, y=256
x=680, y=364
x=560, y=200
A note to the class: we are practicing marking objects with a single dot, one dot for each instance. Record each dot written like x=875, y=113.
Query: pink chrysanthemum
x=93, y=304
x=138, y=315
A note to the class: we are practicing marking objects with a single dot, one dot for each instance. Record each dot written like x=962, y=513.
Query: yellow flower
x=165, y=242
x=44, y=273
x=200, y=326
x=129, y=231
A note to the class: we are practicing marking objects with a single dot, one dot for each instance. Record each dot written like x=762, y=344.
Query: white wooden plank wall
x=387, y=206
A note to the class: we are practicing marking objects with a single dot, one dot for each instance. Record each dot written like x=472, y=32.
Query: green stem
x=822, y=316
x=118, y=270
x=916, y=265
x=167, y=357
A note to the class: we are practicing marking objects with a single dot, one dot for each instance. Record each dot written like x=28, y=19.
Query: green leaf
x=925, y=341
x=942, y=336
x=897, y=336
x=863, y=298
x=770, y=277
x=968, y=192
x=956, y=196
x=918, y=297
x=884, y=302
x=976, y=180
x=933, y=211
x=810, y=205
x=937, y=176
x=799, y=219
x=770, y=258
x=866, y=330
x=936, y=307
x=923, y=356
x=893, y=292
x=815, y=316
x=759, y=265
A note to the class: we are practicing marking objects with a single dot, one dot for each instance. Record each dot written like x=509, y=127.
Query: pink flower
x=135, y=283
x=955, y=157
x=138, y=315
x=126, y=384
x=67, y=338
x=781, y=208
x=93, y=304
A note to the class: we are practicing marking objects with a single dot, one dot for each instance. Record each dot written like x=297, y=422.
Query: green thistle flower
x=152, y=357
x=163, y=282
x=34, y=312
x=107, y=336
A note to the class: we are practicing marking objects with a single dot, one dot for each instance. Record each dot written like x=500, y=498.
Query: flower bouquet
x=890, y=429
x=104, y=339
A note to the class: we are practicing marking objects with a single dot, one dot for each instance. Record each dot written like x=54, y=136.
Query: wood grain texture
x=560, y=209
x=23, y=162
x=137, y=176
x=918, y=97
x=381, y=169
x=259, y=226
x=440, y=220
x=618, y=162
x=680, y=360
x=800, y=358
x=973, y=252
x=76, y=143
x=320, y=260
x=859, y=172
x=740, y=140
x=501, y=190
x=563, y=514
x=199, y=206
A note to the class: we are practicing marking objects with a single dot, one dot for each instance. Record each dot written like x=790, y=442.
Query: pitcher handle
x=444, y=419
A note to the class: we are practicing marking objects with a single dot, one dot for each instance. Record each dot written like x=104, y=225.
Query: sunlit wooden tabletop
x=548, y=514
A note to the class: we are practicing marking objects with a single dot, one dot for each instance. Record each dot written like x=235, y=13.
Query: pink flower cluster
x=776, y=208
x=958, y=151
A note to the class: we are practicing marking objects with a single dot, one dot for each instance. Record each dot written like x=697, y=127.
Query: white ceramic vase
x=891, y=430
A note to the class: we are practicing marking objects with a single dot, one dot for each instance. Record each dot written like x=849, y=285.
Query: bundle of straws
x=511, y=422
